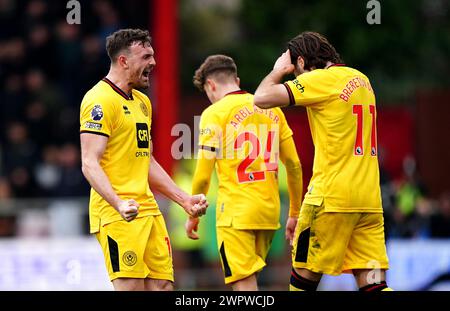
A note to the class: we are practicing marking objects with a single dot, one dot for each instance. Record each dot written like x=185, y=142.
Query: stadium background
x=46, y=65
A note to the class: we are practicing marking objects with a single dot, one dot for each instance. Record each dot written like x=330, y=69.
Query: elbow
x=293, y=165
x=260, y=102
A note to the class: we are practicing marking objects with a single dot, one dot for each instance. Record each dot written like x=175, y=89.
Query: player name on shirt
x=245, y=112
x=352, y=85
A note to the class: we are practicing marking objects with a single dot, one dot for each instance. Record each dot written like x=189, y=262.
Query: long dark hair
x=315, y=50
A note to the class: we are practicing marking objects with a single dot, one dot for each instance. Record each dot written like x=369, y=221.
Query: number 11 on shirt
x=359, y=150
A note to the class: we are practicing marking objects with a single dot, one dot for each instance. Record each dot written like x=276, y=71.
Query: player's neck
x=226, y=89
x=328, y=64
x=119, y=79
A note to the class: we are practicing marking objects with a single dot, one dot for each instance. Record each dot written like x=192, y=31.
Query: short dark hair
x=217, y=65
x=123, y=39
x=315, y=50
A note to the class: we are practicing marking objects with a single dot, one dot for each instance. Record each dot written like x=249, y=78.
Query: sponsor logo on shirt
x=93, y=125
x=142, y=135
x=298, y=85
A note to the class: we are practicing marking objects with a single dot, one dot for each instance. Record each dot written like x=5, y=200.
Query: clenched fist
x=196, y=205
x=128, y=209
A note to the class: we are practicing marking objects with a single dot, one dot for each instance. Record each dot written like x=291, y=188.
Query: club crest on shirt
x=144, y=109
x=97, y=113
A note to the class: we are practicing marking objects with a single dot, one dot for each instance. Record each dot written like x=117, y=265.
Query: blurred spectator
x=72, y=182
x=440, y=221
x=410, y=193
x=39, y=88
x=19, y=150
x=69, y=59
x=39, y=122
x=95, y=64
x=7, y=217
x=41, y=51
x=5, y=190
x=7, y=18
x=19, y=156
x=12, y=99
x=48, y=172
x=109, y=19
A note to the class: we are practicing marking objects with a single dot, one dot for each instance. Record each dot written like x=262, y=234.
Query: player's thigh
x=237, y=250
x=367, y=247
x=321, y=239
x=158, y=253
x=123, y=244
x=263, y=241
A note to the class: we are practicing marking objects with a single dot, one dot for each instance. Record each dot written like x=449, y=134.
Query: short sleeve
x=310, y=88
x=285, y=130
x=96, y=117
x=210, y=134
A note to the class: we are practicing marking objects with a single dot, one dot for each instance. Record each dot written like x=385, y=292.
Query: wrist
x=183, y=199
x=116, y=203
x=294, y=214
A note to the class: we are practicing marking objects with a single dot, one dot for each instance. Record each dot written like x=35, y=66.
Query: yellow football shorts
x=242, y=252
x=335, y=243
x=137, y=249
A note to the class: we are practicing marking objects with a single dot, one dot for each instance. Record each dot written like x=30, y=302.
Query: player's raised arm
x=160, y=181
x=92, y=149
x=290, y=159
x=271, y=92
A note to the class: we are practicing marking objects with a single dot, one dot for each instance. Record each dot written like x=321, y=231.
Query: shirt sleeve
x=311, y=88
x=285, y=130
x=210, y=134
x=96, y=117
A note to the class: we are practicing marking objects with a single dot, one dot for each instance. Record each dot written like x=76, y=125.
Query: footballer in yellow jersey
x=244, y=143
x=115, y=123
x=340, y=228
x=126, y=121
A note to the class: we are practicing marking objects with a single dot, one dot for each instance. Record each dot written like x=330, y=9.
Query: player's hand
x=191, y=227
x=196, y=205
x=284, y=63
x=128, y=209
x=290, y=229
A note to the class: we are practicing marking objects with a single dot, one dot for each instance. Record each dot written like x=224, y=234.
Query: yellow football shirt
x=126, y=121
x=246, y=141
x=340, y=103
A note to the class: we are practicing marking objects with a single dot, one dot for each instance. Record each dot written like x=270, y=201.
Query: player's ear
x=301, y=62
x=238, y=81
x=210, y=84
x=122, y=61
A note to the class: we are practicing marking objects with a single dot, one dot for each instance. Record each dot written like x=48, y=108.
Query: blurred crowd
x=46, y=65
x=409, y=210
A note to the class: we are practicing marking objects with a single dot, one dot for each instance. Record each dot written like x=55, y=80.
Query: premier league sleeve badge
x=97, y=113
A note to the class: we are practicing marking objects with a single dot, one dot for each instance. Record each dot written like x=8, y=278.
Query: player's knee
x=375, y=287
x=299, y=283
x=158, y=285
x=165, y=285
